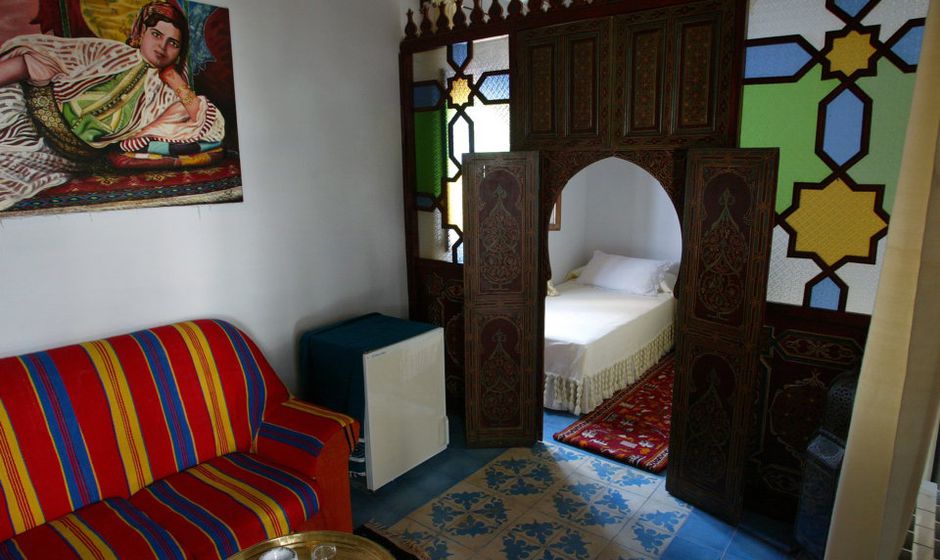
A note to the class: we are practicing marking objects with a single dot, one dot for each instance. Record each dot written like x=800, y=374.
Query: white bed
x=599, y=340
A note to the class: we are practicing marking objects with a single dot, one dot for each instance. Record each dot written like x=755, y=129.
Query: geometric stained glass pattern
x=845, y=115
x=465, y=104
x=835, y=223
x=828, y=217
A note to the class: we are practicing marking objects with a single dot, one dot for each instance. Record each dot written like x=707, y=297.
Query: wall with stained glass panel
x=460, y=95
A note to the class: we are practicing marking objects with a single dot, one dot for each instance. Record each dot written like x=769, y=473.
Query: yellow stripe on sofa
x=82, y=538
x=211, y=386
x=130, y=438
x=269, y=512
x=22, y=501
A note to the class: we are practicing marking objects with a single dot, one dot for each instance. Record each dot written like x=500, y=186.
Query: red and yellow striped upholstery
x=182, y=431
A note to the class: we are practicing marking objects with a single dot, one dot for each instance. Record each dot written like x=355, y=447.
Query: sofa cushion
x=112, y=528
x=229, y=503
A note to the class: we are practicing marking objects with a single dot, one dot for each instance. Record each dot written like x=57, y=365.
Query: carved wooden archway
x=558, y=167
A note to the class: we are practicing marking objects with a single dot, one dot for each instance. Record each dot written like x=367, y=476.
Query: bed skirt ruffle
x=582, y=396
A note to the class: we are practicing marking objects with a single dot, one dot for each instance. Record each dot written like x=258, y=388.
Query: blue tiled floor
x=702, y=537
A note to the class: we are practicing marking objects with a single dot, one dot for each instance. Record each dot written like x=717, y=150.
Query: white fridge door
x=405, y=416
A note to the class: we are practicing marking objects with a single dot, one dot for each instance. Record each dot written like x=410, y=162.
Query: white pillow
x=626, y=274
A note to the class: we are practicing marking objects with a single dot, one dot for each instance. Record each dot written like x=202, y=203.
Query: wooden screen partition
x=503, y=317
x=727, y=229
x=805, y=350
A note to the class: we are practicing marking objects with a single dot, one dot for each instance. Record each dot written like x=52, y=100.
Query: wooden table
x=348, y=546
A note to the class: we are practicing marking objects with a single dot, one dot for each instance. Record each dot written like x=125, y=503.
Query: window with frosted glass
x=461, y=105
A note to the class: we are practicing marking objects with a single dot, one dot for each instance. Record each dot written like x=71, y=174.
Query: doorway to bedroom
x=610, y=312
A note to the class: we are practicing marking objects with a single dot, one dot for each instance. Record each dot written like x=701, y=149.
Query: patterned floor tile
x=539, y=535
x=467, y=514
x=435, y=545
x=622, y=476
x=616, y=551
x=519, y=475
x=567, y=459
x=592, y=505
x=653, y=528
x=661, y=495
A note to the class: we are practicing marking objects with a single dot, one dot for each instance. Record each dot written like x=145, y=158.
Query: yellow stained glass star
x=459, y=91
x=851, y=53
x=836, y=222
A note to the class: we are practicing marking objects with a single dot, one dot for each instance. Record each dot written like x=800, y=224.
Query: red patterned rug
x=632, y=426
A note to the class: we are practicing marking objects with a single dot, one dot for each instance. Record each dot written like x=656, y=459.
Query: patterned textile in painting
x=632, y=426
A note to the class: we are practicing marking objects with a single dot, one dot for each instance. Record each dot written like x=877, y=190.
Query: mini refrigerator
x=388, y=373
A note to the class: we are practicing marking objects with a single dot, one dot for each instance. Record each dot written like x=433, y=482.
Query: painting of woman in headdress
x=91, y=122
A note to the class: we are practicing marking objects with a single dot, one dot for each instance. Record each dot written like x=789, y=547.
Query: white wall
x=567, y=246
x=625, y=211
x=319, y=236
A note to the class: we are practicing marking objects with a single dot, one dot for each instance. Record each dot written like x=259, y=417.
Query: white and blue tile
x=592, y=505
x=434, y=545
x=621, y=476
x=467, y=514
x=653, y=528
x=565, y=459
x=520, y=475
x=537, y=534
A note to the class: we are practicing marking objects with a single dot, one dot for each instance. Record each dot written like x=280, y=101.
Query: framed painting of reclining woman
x=109, y=104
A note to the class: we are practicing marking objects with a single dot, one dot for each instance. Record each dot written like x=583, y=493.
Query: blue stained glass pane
x=774, y=61
x=842, y=137
x=426, y=96
x=495, y=87
x=852, y=7
x=825, y=295
x=908, y=47
x=458, y=53
x=424, y=202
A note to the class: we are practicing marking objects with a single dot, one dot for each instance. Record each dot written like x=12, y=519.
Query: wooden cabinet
x=663, y=78
x=560, y=95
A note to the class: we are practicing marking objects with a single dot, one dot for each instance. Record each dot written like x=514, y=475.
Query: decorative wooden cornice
x=454, y=21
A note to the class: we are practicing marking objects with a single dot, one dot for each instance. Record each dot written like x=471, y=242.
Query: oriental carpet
x=632, y=426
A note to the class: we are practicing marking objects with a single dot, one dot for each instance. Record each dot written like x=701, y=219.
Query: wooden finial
x=496, y=11
x=426, y=19
x=555, y=4
x=411, y=30
x=460, y=19
x=515, y=9
x=477, y=15
x=443, y=22
x=535, y=7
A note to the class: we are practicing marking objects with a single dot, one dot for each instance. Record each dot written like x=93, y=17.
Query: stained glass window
x=461, y=105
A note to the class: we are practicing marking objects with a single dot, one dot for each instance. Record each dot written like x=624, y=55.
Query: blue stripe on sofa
x=165, y=547
x=223, y=537
x=297, y=439
x=306, y=493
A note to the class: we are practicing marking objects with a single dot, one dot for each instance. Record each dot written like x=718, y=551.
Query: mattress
x=598, y=341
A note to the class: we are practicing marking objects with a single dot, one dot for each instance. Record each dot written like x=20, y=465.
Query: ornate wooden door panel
x=560, y=84
x=729, y=216
x=503, y=318
x=706, y=52
x=677, y=75
x=640, y=78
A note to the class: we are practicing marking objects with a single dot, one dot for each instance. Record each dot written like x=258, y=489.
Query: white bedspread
x=598, y=341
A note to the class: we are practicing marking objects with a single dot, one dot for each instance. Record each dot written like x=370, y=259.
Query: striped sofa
x=174, y=442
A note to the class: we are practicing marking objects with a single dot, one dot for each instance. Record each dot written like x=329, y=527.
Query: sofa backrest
x=103, y=419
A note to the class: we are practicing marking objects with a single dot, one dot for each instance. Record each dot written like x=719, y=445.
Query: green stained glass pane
x=430, y=151
x=784, y=116
x=891, y=92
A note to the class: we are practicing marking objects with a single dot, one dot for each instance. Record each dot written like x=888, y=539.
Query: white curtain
x=898, y=398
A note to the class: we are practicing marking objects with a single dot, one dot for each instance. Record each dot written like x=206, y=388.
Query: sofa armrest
x=314, y=441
